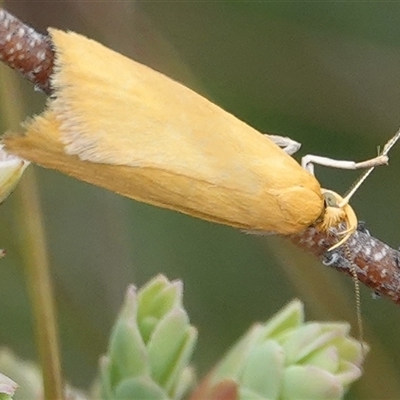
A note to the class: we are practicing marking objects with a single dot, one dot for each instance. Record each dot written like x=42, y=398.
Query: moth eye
x=330, y=200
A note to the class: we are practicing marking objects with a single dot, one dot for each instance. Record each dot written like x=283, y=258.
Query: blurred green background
x=326, y=74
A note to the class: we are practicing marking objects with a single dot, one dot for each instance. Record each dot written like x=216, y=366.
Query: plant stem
x=37, y=272
x=34, y=253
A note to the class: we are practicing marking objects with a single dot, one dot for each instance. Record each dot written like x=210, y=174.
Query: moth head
x=337, y=210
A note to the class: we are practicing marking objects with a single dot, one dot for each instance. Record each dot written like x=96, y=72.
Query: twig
x=377, y=264
x=25, y=50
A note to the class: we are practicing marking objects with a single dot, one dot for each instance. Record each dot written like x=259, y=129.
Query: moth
x=118, y=124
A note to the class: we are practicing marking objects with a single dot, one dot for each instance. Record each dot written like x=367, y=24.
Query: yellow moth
x=120, y=125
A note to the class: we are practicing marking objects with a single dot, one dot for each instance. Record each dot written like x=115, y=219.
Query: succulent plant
x=284, y=358
x=150, y=346
x=288, y=359
x=152, y=342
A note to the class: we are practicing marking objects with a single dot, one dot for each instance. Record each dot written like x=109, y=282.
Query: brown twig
x=25, y=50
x=377, y=264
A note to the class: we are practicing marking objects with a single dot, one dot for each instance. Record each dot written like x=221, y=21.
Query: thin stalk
x=38, y=279
x=34, y=253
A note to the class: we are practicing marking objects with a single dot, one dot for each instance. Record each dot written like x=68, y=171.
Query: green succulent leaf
x=156, y=299
x=140, y=388
x=165, y=344
x=233, y=363
x=326, y=358
x=128, y=354
x=181, y=386
x=305, y=340
x=247, y=394
x=349, y=349
x=181, y=362
x=311, y=383
x=265, y=365
x=291, y=316
x=105, y=379
x=347, y=373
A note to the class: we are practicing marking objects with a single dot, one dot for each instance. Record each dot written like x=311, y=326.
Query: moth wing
x=161, y=143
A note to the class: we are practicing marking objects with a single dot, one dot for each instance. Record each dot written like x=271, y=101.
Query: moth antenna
x=357, y=294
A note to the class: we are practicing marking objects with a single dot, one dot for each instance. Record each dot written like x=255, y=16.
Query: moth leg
x=288, y=145
x=308, y=162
